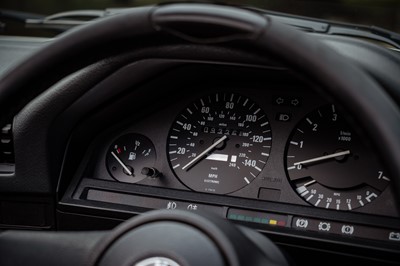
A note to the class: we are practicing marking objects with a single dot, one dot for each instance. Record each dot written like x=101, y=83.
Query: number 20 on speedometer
x=219, y=143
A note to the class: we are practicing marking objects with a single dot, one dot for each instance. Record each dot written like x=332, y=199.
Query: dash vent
x=7, y=160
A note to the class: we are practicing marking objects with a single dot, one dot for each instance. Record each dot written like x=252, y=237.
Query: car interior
x=200, y=134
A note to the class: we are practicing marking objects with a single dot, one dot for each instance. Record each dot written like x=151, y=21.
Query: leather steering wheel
x=204, y=24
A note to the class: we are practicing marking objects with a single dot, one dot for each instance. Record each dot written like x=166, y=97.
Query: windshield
x=380, y=13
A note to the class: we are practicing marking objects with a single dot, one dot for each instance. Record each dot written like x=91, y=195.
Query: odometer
x=220, y=143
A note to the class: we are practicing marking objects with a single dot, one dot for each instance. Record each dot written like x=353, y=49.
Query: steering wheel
x=174, y=237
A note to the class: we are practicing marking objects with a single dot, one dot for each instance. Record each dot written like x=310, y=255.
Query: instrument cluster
x=285, y=146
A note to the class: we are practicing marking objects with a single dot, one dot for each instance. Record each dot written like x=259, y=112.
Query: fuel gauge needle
x=201, y=155
x=323, y=158
x=121, y=163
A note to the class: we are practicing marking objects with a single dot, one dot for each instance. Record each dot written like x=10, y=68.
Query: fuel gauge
x=131, y=158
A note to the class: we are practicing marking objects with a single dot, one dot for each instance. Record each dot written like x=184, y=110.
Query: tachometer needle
x=322, y=158
x=201, y=155
x=121, y=163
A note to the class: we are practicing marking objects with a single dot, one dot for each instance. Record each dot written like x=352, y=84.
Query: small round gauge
x=130, y=157
x=328, y=164
x=220, y=143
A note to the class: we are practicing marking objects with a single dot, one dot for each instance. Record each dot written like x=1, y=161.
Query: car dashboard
x=244, y=138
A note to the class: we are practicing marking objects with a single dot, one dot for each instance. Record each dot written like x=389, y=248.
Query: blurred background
x=381, y=13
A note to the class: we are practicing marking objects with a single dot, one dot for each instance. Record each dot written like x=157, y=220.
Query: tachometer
x=328, y=164
x=219, y=143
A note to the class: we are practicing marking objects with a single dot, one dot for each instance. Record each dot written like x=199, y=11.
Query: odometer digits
x=220, y=143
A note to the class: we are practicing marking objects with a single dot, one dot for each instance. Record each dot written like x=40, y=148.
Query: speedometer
x=220, y=143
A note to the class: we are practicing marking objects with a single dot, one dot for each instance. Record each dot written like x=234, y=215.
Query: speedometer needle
x=201, y=155
x=322, y=158
x=121, y=163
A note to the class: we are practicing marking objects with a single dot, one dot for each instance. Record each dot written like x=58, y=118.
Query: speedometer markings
x=291, y=167
x=301, y=131
x=228, y=165
x=309, y=197
x=294, y=143
x=184, y=116
x=309, y=121
x=319, y=112
x=333, y=108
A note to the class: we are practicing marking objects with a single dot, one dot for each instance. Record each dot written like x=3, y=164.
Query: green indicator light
x=249, y=219
x=264, y=221
x=257, y=220
x=232, y=216
x=240, y=217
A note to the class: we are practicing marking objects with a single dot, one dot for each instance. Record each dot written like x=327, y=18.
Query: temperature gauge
x=131, y=158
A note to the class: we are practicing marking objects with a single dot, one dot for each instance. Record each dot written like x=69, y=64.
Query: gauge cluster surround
x=225, y=146
x=281, y=145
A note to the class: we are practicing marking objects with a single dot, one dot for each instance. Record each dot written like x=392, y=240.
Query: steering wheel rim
x=220, y=25
x=223, y=25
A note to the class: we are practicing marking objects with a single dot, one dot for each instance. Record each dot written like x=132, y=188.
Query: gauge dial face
x=220, y=143
x=128, y=155
x=329, y=166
